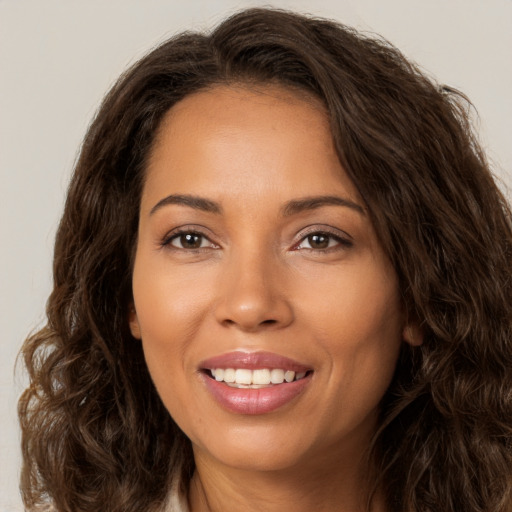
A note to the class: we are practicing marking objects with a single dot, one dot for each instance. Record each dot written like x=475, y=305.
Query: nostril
x=228, y=322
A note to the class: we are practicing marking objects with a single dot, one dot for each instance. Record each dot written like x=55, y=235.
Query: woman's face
x=257, y=262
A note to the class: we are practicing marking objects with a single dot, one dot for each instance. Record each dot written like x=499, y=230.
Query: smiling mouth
x=243, y=378
x=253, y=383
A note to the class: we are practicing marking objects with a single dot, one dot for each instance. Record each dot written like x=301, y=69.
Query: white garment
x=176, y=501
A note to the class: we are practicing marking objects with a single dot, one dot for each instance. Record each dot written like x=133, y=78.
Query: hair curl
x=96, y=436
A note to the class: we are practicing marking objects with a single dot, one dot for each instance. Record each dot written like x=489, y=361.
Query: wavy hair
x=95, y=435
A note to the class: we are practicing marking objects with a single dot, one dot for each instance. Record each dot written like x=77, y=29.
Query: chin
x=261, y=448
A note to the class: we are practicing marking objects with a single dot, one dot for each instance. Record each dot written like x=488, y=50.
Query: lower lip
x=255, y=401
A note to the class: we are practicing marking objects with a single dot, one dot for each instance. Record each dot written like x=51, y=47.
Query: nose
x=252, y=294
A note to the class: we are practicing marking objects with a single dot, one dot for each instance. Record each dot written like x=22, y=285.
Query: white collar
x=177, y=499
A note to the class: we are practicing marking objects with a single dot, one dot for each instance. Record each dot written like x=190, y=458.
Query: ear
x=412, y=334
x=133, y=321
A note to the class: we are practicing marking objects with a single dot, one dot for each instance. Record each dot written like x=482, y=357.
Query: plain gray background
x=59, y=57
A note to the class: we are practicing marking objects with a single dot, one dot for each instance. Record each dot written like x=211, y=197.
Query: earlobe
x=413, y=335
x=134, y=323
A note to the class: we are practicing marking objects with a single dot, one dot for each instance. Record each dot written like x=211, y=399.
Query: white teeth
x=277, y=376
x=241, y=377
x=289, y=376
x=261, y=377
x=229, y=375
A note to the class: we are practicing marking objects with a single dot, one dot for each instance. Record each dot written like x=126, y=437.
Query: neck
x=312, y=485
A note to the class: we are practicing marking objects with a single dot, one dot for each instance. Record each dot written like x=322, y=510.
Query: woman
x=282, y=280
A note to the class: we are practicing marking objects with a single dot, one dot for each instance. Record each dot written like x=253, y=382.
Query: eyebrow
x=196, y=202
x=311, y=203
x=290, y=208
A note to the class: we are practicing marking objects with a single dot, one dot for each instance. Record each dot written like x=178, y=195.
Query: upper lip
x=253, y=361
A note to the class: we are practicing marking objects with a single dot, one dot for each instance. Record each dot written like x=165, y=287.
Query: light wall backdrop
x=59, y=57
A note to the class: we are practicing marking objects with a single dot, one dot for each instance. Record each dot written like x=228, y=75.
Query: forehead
x=235, y=135
x=248, y=95
x=227, y=109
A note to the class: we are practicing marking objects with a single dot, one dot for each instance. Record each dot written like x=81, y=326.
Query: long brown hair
x=96, y=436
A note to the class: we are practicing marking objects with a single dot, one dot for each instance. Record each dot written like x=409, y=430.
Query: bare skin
x=252, y=238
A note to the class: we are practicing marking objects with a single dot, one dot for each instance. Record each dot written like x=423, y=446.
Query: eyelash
x=340, y=241
x=175, y=235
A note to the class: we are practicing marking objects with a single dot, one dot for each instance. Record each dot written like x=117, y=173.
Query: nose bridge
x=252, y=295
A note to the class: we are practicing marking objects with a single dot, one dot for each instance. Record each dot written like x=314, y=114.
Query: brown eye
x=319, y=241
x=190, y=240
x=323, y=241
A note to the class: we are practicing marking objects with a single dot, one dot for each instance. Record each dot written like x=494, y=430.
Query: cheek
x=359, y=303
x=169, y=302
x=357, y=322
x=170, y=309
